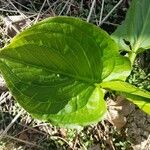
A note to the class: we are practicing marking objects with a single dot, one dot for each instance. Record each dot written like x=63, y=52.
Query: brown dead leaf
x=118, y=110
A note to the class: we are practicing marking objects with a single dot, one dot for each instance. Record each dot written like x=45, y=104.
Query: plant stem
x=132, y=56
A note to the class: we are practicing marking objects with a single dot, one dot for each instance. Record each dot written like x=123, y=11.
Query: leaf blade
x=135, y=28
x=56, y=63
x=138, y=96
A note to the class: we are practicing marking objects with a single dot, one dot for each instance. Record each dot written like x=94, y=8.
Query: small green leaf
x=138, y=96
x=135, y=29
x=52, y=69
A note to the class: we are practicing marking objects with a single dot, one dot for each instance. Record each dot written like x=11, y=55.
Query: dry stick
x=2, y=118
x=10, y=125
x=5, y=4
x=81, y=5
x=28, y=17
x=11, y=25
x=98, y=132
x=111, y=144
x=75, y=140
x=21, y=5
x=15, y=11
x=69, y=7
x=57, y=6
x=58, y=137
x=105, y=18
x=22, y=14
x=91, y=10
x=3, y=96
x=7, y=10
x=101, y=13
x=22, y=141
x=113, y=24
x=48, y=3
x=50, y=8
x=36, y=20
x=64, y=7
x=29, y=128
x=47, y=130
x=2, y=31
x=95, y=17
x=32, y=4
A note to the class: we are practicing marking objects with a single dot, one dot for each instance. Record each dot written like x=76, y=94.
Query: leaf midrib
x=78, y=78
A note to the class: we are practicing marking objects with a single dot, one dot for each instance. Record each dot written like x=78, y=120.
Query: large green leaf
x=138, y=96
x=135, y=29
x=53, y=68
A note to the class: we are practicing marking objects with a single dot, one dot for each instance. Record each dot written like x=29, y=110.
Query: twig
x=2, y=97
x=101, y=13
x=75, y=140
x=32, y=4
x=33, y=128
x=22, y=141
x=24, y=19
x=64, y=7
x=10, y=125
x=106, y=17
x=30, y=128
x=69, y=7
x=37, y=18
x=109, y=23
x=81, y=5
x=2, y=118
x=58, y=137
x=11, y=25
x=15, y=11
x=4, y=34
x=22, y=14
x=91, y=10
x=48, y=3
x=98, y=132
x=96, y=21
x=22, y=5
x=50, y=8
x=4, y=4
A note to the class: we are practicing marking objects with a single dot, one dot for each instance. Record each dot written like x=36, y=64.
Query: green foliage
x=135, y=29
x=140, y=75
x=53, y=69
x=138, y=96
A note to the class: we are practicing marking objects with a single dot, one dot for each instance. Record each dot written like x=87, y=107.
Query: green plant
x=133, y=35
x=60, y=68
